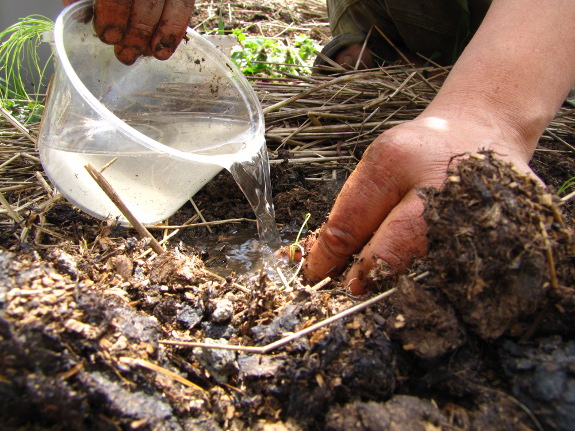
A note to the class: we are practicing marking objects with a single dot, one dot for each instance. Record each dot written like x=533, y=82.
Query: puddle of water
x=241, y=252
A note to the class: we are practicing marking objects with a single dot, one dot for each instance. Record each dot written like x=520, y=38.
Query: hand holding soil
x=378, y=213
x=141, y=27
x=490, y=100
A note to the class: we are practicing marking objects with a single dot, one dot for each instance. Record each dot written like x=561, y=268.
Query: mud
x=80, y=332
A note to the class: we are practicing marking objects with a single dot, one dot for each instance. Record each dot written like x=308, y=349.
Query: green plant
x=569, y=184
x=19, y=57
x=271, y=57
x=221, y=30
x=293, y=248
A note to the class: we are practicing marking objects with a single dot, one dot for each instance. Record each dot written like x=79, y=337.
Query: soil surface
x=94, y=326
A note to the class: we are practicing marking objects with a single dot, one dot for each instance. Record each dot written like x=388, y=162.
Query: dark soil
x=478, y=337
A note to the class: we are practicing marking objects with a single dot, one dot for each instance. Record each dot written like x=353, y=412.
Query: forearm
x=516, y=71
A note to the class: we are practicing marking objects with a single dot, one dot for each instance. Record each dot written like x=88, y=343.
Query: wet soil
x=479, y=336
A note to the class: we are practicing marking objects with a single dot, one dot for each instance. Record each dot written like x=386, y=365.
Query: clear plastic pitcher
x=162, y=128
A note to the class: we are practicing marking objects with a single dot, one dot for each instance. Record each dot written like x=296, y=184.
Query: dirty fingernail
x=127, y=54
x=164, y=49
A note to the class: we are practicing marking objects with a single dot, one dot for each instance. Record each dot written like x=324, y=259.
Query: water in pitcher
x=154, y=186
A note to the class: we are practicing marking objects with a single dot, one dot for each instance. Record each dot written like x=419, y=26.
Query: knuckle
x=338, y=241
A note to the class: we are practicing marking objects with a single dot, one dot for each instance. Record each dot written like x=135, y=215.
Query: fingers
x=367, y=197
x=111, y=19
x=171, y=29
x=399, y=239
x=142, y=27
x=144, y=16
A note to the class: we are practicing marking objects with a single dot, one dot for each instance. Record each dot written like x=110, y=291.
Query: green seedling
x=19, y=61
x=221, y=29
x=293, y=248
x=569, y=184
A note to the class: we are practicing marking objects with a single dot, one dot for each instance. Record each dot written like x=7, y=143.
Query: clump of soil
x=499, y=252
x=497, y=243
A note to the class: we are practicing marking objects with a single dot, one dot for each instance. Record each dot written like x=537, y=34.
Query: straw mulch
x=320, y=123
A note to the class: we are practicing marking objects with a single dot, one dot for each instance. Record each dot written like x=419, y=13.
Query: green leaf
x=569, y=184
x=221, y=30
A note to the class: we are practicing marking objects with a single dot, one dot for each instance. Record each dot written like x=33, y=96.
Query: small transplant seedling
x=19, y=61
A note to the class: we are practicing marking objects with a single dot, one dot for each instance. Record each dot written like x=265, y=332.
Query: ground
x=94, y=325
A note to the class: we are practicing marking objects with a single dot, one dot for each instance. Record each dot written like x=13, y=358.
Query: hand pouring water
x=160, y=129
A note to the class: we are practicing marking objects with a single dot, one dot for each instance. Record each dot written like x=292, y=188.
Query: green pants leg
x=437, y=29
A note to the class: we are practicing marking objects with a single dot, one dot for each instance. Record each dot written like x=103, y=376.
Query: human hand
x=378, y=212
x=141, y=27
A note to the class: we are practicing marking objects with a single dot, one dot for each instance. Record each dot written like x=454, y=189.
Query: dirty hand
x=378, y=212
x=490, y=100
x=141, y=27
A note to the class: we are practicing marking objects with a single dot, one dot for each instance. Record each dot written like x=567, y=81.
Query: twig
x=385, y=98
x=312, y=160
x=402, y=55
x=336, y=81
x=282, y=277
x=171, y=235
x=107, y=165
x=358, y=62
x=9, y=210
x=207, y=223
x=321, y=284
x=276, y=344
x=201, y=215
x=115, y=198
x=554, y=136
x=44, y=183
x=161, y=370
x=550, y=260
